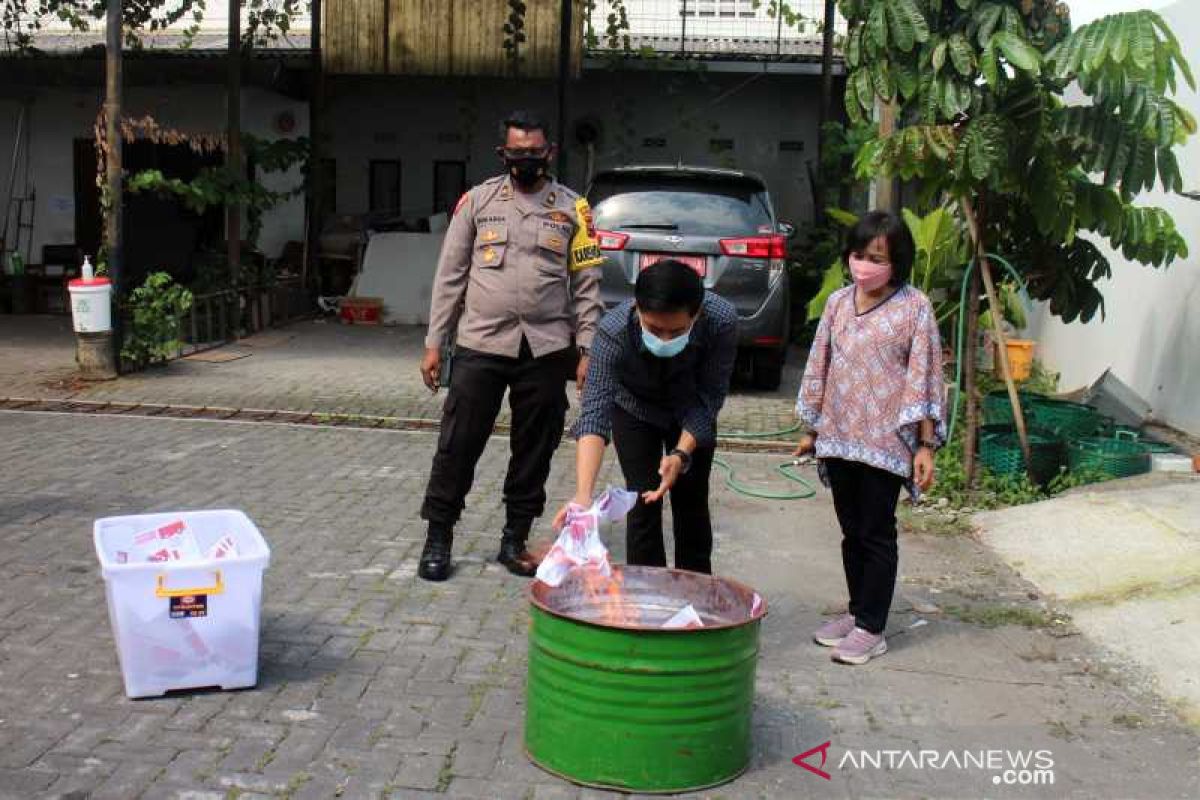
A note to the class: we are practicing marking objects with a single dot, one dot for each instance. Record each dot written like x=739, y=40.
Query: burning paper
x=604, y=593
x=685, y=617
x=579, y=543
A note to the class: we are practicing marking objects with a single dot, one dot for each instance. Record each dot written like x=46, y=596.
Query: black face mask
x=526, y=172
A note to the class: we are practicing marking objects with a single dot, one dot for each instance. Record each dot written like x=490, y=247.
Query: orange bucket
x=1020, y=358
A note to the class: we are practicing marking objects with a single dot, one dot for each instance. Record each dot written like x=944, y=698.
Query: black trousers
x=640, y=448
x=865, y=498
x=538, y=399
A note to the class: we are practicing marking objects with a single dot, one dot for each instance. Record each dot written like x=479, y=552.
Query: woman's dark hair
x=901, y=248
x=669, y=285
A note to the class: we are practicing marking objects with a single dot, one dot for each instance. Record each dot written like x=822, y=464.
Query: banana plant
x=942, y=250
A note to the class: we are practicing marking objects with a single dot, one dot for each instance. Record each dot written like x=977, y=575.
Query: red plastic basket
x=361, y=310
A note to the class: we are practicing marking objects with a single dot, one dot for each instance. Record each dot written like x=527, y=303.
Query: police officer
x=517, y=279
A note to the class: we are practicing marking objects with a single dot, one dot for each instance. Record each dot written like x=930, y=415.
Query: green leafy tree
x=1038, y=132
x=263, y=20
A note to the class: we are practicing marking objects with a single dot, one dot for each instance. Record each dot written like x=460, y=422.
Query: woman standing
x=872, y=397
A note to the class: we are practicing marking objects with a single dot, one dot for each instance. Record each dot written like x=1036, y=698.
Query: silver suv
x=718, y=221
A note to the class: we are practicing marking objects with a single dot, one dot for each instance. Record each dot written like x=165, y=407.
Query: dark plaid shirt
x=714, y=342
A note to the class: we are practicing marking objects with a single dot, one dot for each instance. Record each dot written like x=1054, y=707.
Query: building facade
x=407, y=146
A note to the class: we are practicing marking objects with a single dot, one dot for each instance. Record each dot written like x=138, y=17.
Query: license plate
x=697, y=263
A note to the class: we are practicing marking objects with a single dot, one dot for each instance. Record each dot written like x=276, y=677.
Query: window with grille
x=385, y=185
x=718, y=8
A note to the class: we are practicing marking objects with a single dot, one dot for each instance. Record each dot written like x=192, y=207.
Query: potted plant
x=155, y=310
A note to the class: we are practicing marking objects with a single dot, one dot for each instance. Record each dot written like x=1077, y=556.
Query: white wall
x=1151, y=336
x=59, y=116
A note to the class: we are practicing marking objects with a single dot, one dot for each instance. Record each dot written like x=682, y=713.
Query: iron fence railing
x=218, y=318
x=709, y=27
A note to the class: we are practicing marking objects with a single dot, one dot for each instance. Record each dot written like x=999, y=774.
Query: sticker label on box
x=189, y=606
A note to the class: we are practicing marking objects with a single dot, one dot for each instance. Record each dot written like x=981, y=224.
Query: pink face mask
x=868, y=275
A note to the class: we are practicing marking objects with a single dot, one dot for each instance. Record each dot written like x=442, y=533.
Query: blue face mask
x=667, y=349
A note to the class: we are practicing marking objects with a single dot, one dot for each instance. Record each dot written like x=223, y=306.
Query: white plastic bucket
x=185, y=625
x=91, y=305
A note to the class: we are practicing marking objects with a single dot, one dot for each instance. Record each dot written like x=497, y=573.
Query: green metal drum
x=617, y=701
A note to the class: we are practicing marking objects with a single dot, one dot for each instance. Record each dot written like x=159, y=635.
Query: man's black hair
x=669, y=285
x=901, y=248
x=524, y=120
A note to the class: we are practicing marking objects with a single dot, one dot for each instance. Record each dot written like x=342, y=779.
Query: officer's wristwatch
x=685, y=459
x=583, y=351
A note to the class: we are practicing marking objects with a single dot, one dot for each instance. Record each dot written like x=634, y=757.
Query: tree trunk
x=984, y=271
x=316, y=103
x=885, y=186
x=116, y=203
x=233, y=133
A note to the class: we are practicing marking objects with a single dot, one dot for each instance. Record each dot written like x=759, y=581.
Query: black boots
x=513, y=554
x=435, y=558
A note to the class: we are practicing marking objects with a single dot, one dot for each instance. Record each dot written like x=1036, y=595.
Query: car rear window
x=694, y=206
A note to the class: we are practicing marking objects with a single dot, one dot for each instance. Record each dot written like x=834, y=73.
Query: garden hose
x=962, y=324
x=785, y=469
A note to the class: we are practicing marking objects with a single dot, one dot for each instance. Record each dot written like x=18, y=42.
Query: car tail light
x=755, y=247
x=610, y=240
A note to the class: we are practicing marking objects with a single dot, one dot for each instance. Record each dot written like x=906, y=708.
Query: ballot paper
x=579, y=542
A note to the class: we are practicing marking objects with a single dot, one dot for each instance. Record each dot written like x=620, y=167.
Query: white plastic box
x=185, y=625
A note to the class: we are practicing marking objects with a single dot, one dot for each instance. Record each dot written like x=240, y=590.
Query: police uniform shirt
x=517, y=265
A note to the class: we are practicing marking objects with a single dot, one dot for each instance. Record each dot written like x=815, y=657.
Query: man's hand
x=431, y=368
x=807, y=446
x=581, y=375
x=669, y=469
x=923, y=468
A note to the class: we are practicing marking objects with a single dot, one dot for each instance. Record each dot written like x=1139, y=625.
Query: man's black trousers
x=640, y=449
x=538, y=400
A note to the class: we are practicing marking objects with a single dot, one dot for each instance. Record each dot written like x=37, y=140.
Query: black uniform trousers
x=538, y=399
x=640, y=448
x=865, y=498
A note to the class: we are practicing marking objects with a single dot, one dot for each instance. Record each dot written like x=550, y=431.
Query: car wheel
x=768, y=369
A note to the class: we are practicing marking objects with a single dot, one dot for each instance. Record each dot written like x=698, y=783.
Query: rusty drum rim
x=538, y=590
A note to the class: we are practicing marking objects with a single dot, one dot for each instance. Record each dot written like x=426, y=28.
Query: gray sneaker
x=859, y=647
x=831, y=633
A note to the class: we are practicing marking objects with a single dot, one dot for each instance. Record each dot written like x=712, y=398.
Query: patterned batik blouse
x=871, y=378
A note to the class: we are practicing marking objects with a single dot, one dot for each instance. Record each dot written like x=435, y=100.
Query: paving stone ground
x=375, y=684
x=308, y=366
